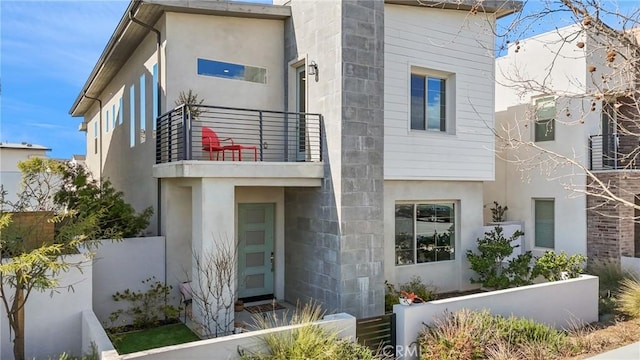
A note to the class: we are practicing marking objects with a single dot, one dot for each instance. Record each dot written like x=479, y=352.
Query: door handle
x=272, y=257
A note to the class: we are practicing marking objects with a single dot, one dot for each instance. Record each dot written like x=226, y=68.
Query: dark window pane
x=404, y=234
x=417, y=102
x=544, y=224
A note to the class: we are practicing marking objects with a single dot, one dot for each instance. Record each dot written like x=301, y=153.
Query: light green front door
x=255, y=249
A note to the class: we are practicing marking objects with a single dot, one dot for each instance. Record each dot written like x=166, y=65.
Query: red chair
x=211, y=144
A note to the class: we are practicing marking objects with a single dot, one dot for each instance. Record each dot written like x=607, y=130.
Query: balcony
x=215, y=141
x=613, y=152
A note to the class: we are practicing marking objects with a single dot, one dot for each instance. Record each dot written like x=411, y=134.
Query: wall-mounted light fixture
x=313, y=69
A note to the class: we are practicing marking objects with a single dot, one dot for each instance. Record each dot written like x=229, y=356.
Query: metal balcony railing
x=185, y=133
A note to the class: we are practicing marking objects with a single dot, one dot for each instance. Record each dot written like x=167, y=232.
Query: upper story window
x=95, y=137
x=424, y=232
x=232, y=71
x=545, y=113
x=132, y=116
x=120, y=111
x=106, y=123
x=113, y=115
x=143, y=108
x=428, y=103
x=154, y=95
x=432, y=100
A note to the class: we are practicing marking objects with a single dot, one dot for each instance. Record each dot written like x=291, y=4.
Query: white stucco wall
x=53, y=321
x=127, y=166
x=447, y=41
x=244, y=41
x=444, y=275
x=525, y=177
x=528, y=173
x=561, y=304
x=122, y=265
x=227, y=347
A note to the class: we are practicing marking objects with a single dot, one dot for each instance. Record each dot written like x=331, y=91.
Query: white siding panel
x=448, y=41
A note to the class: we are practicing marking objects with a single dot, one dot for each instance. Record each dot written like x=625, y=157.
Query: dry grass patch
x=599, y=338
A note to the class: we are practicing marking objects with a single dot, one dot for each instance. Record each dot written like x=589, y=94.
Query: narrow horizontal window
x=232, y=71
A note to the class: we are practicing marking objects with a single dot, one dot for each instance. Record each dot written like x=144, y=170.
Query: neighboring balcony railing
x=214, y=133
x=607, y=153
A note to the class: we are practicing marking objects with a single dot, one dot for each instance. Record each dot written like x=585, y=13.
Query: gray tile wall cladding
x=341, y=265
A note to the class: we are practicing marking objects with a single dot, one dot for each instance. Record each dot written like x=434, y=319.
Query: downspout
x=158, y=111
x=99, y=131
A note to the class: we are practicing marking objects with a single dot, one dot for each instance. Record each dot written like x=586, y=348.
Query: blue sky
x=47, y=50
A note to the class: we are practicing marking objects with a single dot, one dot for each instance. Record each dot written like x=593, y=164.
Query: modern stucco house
x=365, y=129
x=564, y=94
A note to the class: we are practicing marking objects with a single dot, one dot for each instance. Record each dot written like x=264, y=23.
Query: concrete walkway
x=629, y=352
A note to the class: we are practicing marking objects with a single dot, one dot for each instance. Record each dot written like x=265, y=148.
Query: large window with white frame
x=545, y=113
x=431, y=100
x=544, y=215
x=424, y=232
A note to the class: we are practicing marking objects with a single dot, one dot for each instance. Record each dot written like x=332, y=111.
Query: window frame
x=447, y=110
x=537, y=121
x=415, y=235
x=535, y=223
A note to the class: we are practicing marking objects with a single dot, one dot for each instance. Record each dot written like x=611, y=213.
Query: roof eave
x=117, y=34
x=236, y=9
x=500, y=8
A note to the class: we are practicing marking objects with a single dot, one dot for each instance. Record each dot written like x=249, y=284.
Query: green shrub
x=629, y=298
x=147, y=308
x=498, y=212
x=416, y=286
x=490, y=266
x=551, y=266
x=115, y=217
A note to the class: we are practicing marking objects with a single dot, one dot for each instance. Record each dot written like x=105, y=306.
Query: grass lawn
x=139, y=340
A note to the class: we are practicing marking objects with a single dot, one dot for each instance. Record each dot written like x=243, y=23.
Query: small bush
x=147, y=308
x=490, y=266
x=629, y=298
x=551, y=266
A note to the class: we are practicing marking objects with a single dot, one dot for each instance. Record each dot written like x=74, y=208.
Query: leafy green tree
x=82, y=212
x=115, y=217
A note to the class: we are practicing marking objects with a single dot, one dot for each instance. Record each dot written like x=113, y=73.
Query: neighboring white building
x=364, y=126
x=10, y=155
x=546, y=95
